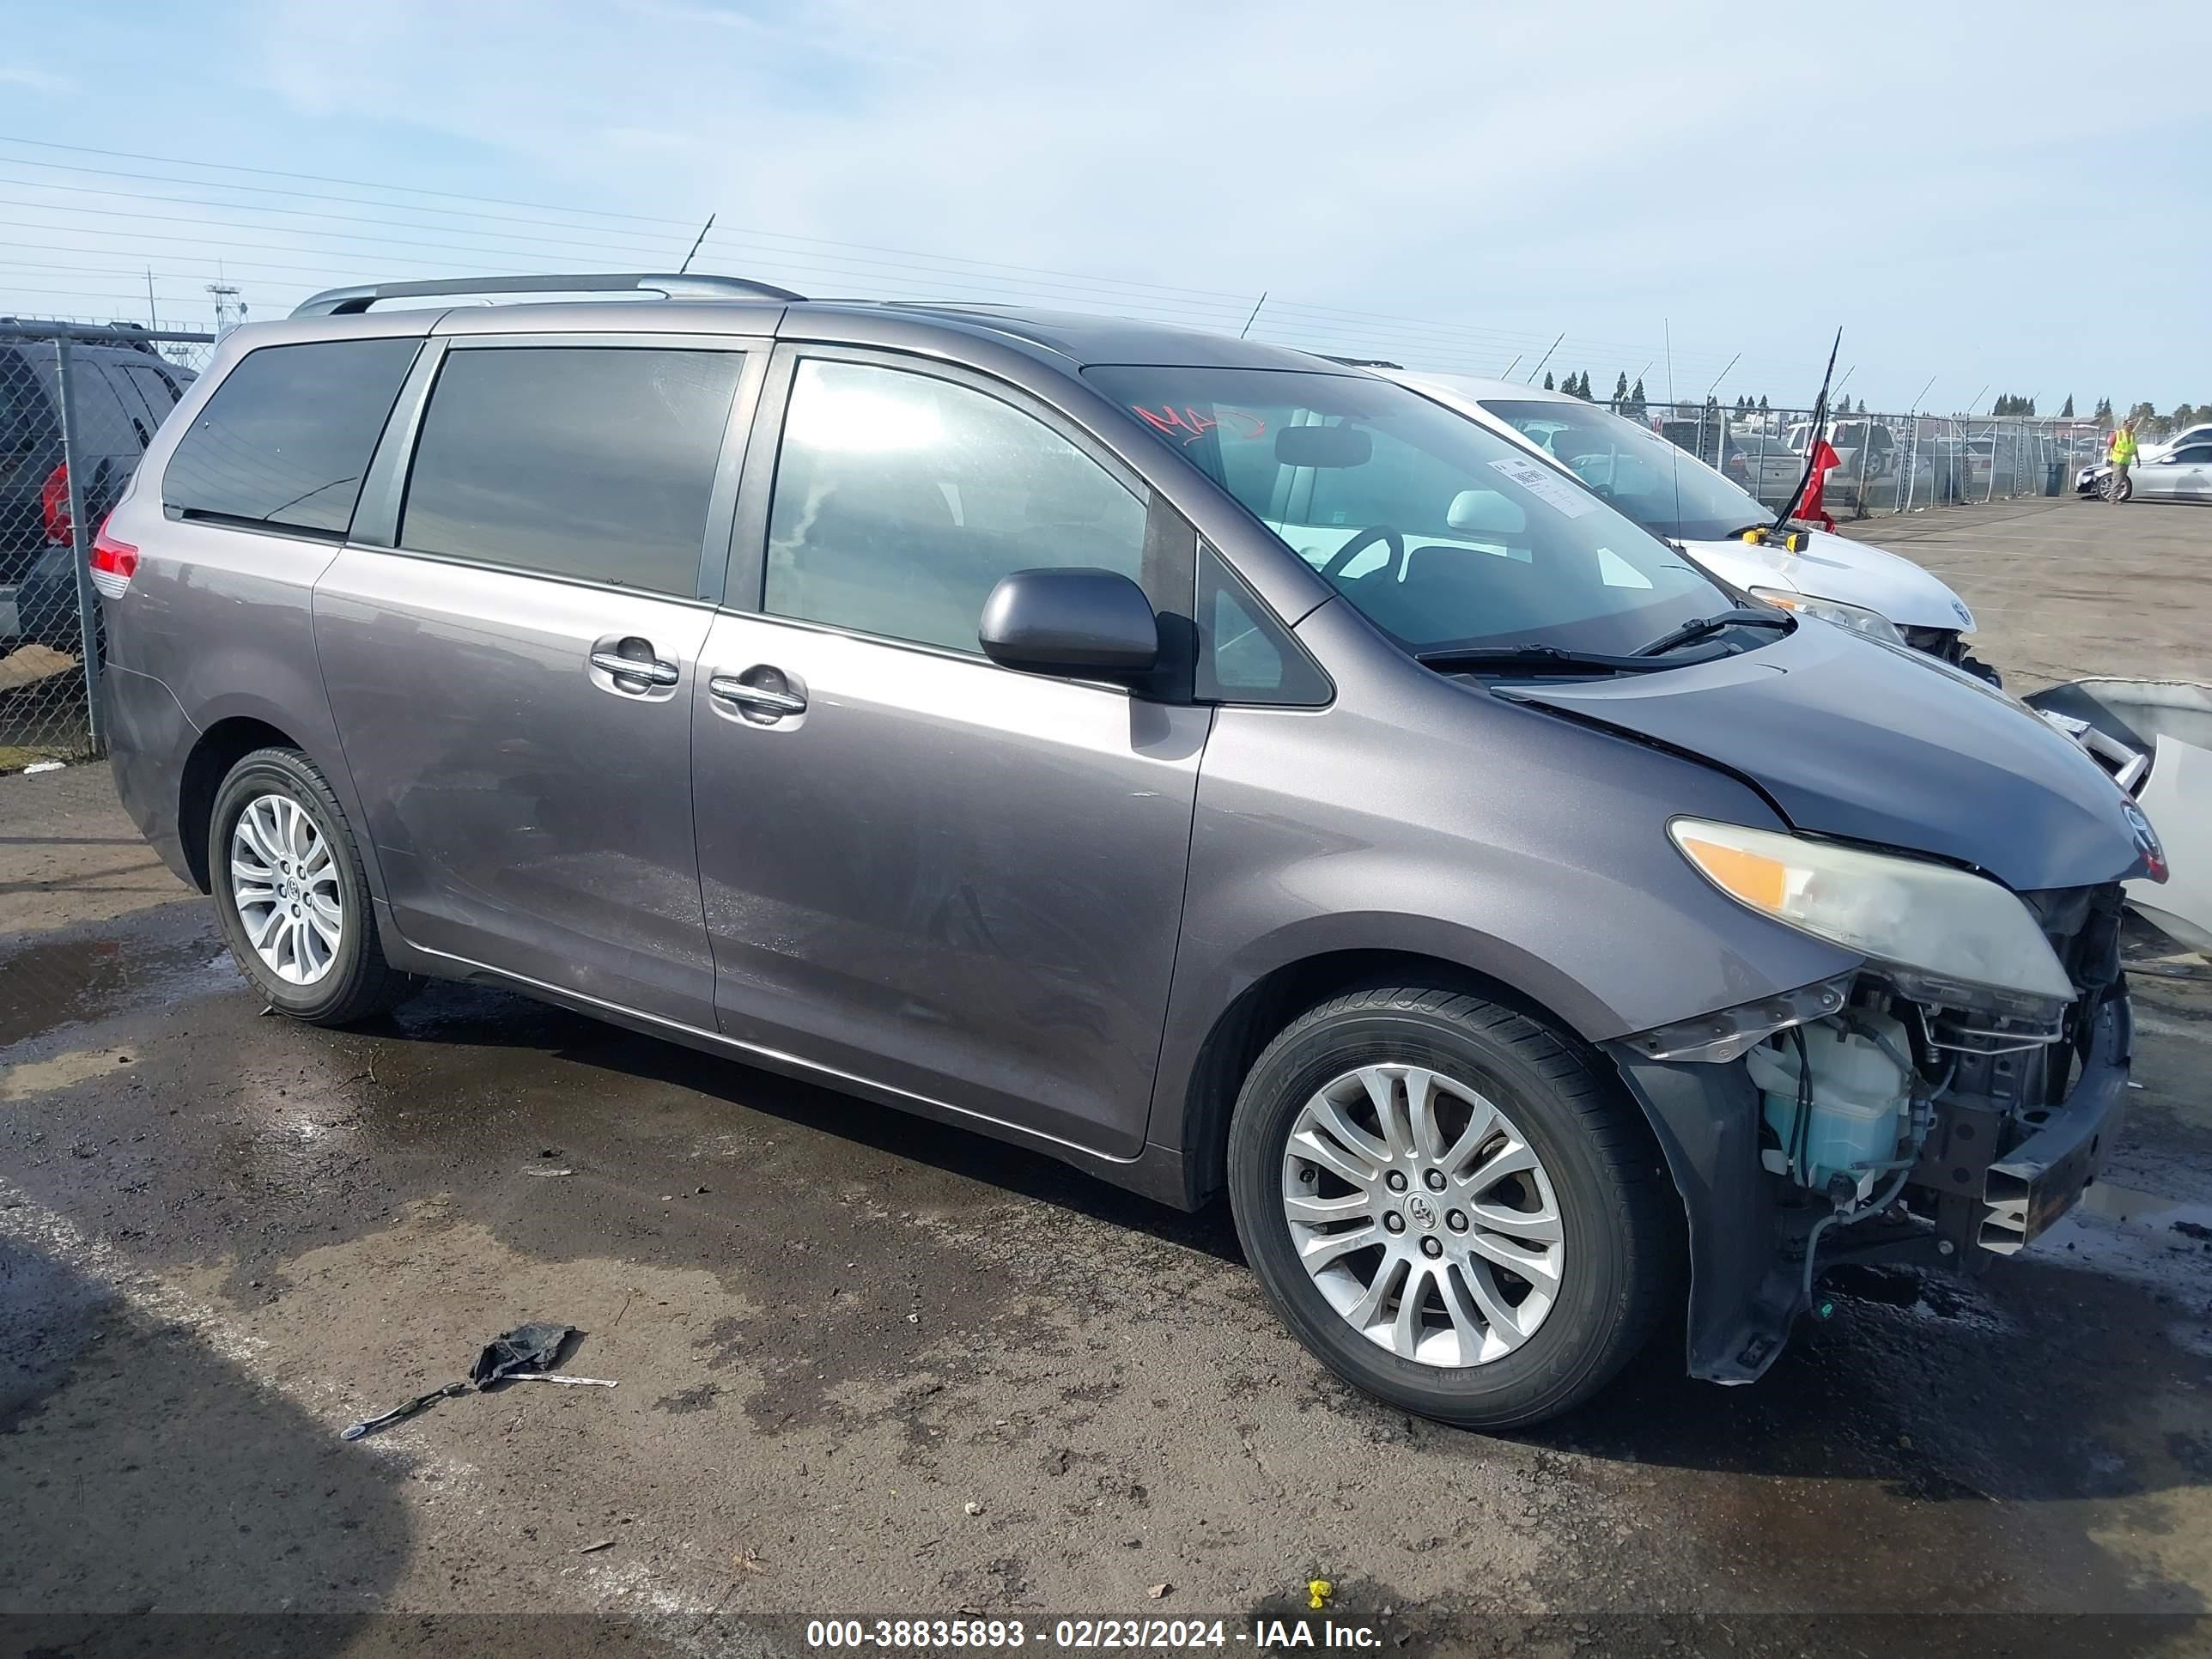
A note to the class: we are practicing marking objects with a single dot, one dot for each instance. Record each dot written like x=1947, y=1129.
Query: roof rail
x=351, y=302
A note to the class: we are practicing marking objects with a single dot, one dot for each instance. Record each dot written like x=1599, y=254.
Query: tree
x=1762, y=402
x=1548, y=386
x=1636, y=406
x=2103, y=415
x=1620, y=389
x=2067, y=413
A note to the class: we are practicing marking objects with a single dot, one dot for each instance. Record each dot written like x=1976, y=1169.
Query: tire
x=328, y=983
x=1619, y=1248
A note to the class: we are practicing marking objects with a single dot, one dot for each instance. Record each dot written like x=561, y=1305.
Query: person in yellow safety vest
x=2122, y=456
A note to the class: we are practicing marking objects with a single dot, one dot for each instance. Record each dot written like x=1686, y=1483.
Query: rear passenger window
x=594, y=462
x=287, y=436
x=902, y=499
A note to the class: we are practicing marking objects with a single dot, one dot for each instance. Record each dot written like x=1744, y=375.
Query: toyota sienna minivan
x=1218, y=768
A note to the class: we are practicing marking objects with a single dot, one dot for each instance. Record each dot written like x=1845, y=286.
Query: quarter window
x=287, y=436
x=902, y=499
x=592, y=462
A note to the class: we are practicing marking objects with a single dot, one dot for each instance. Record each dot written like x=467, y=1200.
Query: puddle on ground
x=58, y=980
x=21, y=1082
x=2149, y=1210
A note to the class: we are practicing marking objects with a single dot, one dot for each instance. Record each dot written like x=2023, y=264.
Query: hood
x=1873, y=742
x=1838, y=568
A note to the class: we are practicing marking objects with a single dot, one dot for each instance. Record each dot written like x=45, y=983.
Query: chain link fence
x=1886, y=462
x=79, y=403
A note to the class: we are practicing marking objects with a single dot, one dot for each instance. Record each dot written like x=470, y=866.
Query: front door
x=921, y=869
x=512, y=681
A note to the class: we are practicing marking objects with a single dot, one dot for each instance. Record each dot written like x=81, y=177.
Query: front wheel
x=1451, y=1208
x=291, y=894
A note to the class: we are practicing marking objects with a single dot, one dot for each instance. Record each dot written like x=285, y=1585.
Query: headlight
x=1870, y=622
x=1943, y=924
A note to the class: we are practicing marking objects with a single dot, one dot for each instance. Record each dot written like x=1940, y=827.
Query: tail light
x=54, y=505
x=114, y=564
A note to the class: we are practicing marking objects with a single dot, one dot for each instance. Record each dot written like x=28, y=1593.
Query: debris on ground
x=974, y=1508
x=1157, y=1590
x=594, y=1547
x=29, y=664
x=45, y=766
x=1318, y=1590
x=526, y=1354
x=547, y=1175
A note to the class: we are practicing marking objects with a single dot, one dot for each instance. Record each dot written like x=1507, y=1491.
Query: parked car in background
x=1766, y=467
x=2089, y=480
x=1215, y=767
x=125, y=389
x=1864, y=448
x=2179, y=475
x=1677, y=497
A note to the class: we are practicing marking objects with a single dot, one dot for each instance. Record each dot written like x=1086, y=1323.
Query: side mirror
x=1083, y=624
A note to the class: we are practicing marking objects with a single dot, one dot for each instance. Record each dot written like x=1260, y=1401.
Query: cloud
x=1741, y=179
x=44, y=82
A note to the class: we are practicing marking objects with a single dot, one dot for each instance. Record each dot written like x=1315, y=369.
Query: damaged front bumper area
x=2003, y=1124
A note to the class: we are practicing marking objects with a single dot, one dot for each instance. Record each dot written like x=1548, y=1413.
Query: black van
x=124, y=389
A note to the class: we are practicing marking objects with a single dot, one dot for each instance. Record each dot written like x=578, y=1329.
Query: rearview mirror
x=1084, y=624
x=1324, y=445
x=1485, y=513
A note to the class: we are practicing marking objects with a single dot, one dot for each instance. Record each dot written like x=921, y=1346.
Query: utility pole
x=226, y=296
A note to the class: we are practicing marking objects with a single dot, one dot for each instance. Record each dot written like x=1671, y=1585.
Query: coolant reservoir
x=1861, y=1098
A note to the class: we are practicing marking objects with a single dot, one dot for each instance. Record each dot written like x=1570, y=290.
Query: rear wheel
x=1450, y=1207
x=291, y=894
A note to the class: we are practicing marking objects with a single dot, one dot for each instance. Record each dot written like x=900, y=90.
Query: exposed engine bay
x=1902, y=1118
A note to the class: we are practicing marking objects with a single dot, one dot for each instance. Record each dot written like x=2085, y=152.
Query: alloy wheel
x=285, y=884
x=1423, y=1215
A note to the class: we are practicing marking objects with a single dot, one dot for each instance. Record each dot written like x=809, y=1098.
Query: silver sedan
x=2182, y=475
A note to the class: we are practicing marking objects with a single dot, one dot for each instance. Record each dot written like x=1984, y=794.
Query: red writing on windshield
x=1190, y=426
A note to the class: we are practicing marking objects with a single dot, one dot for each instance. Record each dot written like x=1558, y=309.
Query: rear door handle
x=650, y=669
x=765, y=702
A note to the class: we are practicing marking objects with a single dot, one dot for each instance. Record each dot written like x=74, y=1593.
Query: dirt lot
x=869, y=1366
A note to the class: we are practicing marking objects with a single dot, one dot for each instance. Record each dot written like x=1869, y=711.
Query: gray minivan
x=1211, y=765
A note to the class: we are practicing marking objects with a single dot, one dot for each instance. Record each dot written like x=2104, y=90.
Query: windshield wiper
x=1535, y=659
x=1699, y=628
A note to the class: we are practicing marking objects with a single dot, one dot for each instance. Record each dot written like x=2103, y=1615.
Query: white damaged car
x=1677, y=497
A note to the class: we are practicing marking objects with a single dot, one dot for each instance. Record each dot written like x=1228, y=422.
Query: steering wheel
x=1359, y=543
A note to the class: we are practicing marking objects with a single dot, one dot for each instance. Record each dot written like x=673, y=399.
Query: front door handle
x=763, y=702
x=650, y=671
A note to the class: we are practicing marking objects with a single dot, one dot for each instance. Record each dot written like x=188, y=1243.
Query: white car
x=2090, y=480
x=1677, y=497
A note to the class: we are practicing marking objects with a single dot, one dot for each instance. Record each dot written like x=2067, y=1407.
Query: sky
x=1985, y=198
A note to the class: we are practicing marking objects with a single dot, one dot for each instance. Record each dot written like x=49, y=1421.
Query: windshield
x=1444, y=534
x=1669, y=492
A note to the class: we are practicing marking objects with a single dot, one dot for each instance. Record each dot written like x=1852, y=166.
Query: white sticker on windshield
x=1548, y=487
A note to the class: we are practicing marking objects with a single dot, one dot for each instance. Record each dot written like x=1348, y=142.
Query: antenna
x=1674, y=470
x=1817, y=436
x=1506, y=373
x=696, y=240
